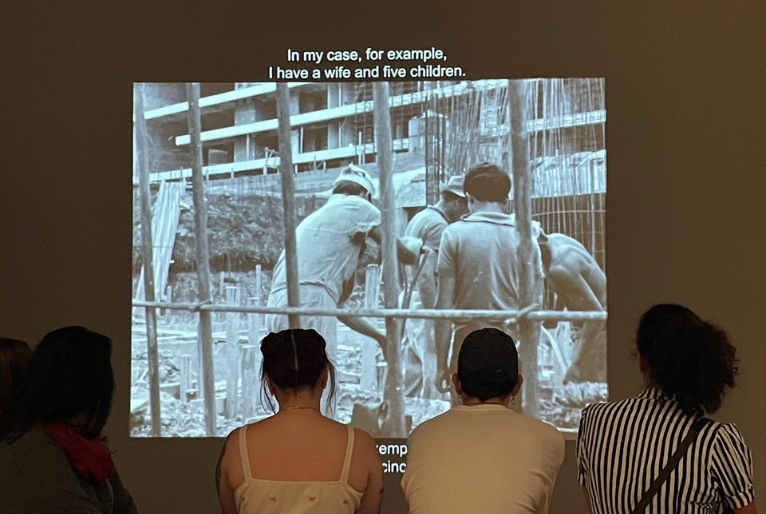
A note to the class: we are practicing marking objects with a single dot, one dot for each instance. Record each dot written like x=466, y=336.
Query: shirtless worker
x=419, y=347
x=474, y=272
x=580, y=285
x=329, y=243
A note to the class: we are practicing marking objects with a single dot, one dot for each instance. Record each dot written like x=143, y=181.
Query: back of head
x=14, y=358
x=345, y=187
x=295, y=359
x=486, y=182
x=354, y=181
x=488, y=364
x=688, y=358
x=69, y=379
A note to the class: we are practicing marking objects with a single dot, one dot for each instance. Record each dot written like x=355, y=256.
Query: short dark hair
x=487, y=183
x=346, y=187
x=70, y=374
x=14, y=358
x=488, y=364
x=688, y=358
x=295, y=359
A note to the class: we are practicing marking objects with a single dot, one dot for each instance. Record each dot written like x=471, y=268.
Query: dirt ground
x=559, y=404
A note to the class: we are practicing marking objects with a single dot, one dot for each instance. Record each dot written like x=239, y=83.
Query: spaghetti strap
x=243, y=453
x=349, y=453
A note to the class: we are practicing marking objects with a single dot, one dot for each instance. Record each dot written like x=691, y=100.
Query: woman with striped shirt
x=687, y=365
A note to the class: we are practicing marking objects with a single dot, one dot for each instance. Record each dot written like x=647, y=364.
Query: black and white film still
x=196, y=357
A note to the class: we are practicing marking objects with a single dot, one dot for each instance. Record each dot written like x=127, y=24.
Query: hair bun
x=270, y=344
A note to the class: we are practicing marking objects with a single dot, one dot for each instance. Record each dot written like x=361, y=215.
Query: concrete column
x=347, y=130
x=162, y=94
x=333, y=100
x=308, y=104
x=161, y=154
x=333, y=128
x=295, y=108
x=246, y=111
x=340, y=133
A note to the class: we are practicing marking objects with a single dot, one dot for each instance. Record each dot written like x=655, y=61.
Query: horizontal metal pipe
x=540, y=315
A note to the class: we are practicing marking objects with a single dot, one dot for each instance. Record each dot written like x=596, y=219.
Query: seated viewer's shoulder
x=545, y=431
x=427, y=427
x=33, y=451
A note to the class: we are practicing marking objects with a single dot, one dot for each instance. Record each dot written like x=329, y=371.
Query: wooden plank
x=232, y=354
x=254, y=323
x=184, y=369
x=148, y=258
x=370, y=348
x=530, y=280
x=206, y=363
x=249, y=379
x=166, y=214
x=255, y=319
x=394, y=391
x=288, y=201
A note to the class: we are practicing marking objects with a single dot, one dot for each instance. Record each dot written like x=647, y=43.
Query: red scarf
x=90, y=458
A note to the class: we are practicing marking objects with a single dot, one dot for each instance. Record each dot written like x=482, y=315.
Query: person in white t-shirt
x=481, y=456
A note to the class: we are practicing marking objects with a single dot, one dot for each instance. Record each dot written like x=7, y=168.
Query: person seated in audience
x=298, y=460
x=14, y=357
x=53, y=456
x=687, y=365
x=481, y=456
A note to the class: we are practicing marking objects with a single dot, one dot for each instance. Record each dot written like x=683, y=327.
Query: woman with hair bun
x=656, y=452
x=298, y=460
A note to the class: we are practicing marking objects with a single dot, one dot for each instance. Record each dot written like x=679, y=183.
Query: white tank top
x=256, y=496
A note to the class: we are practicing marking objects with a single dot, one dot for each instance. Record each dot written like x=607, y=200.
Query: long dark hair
x=295, y=359
x=69, y=377
x=690, y=359
x=14, y=358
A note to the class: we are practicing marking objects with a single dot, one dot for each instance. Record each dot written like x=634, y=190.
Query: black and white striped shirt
x=622, y=447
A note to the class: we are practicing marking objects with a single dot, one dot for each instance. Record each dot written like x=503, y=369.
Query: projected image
x=392, y=262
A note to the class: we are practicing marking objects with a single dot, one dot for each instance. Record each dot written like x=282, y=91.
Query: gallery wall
x=684, y=138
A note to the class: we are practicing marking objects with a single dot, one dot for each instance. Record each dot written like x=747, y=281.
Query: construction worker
x=580, y=285
x=419, y=347
x=329, y=244
x=477, y=265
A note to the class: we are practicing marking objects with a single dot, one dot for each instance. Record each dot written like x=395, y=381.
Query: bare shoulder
x=364, y=445
x=363, y=440
x=232, y=441
x=231, y=444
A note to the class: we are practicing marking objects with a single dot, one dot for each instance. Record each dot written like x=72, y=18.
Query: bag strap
x=671, y=465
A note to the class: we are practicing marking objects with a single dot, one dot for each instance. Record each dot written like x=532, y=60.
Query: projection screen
x=209, y=243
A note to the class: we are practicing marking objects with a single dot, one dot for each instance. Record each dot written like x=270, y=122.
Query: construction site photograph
x=263, y=206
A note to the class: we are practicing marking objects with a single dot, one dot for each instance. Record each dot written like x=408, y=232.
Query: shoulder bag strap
x=671, y=465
